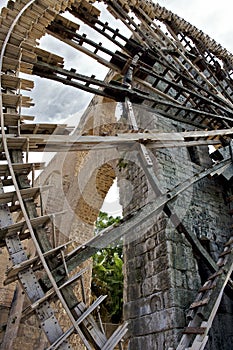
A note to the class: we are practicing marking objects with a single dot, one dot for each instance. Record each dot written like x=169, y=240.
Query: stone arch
x=79, y=188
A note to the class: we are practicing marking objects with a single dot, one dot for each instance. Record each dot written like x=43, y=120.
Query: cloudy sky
x=56, y=102
x=61, y=102
x=213, y=17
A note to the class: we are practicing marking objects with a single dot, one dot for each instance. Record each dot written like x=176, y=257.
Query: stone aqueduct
x=174, y=87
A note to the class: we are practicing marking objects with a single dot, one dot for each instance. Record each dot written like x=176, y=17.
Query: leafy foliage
x=104, y=220
x=107, y=276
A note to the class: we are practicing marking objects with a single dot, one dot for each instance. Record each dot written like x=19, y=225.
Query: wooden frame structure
x=193, y=85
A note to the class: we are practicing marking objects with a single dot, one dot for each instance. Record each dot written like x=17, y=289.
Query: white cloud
x=213, y=17
x=55, y=102
x=3, y=3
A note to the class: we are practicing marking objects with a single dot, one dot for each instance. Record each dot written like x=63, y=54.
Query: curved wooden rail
x=190, y=86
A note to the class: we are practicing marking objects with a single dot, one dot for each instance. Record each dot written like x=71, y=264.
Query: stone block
x=147, y=286
x=134, y=291
x=144, y=306
x=161, y=249
x=162, y=280
x=149, y=269
x=193, y=280
x=151, y=341
x=150, y=244
x=181, y=257
x=178, y=297
x=161, y=264
x=178, y=279
x=157, y=322
x=140, y=248
x=171, y=338
x=156, y=302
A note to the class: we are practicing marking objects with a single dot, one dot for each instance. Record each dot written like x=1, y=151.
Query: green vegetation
x=107, y=275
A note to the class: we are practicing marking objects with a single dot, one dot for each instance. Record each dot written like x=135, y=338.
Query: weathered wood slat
x=13, y=64
x=29, y=310
x=116, y=337
x=15, y=119
x=35, y=263
x=13, y=101
x=15, y=39
x=206, y=288
x=44, y=128
x=194, y=330
x=26, y=193
x=12, y=51
x=199, y=303
x=216, y=274
x=62, y=142
x=13, y=82
x=225, y=252
x=20, y=168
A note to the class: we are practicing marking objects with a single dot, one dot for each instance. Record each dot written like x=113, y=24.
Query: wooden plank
x=48, y=57
x=13, y=101
x=90, y=324
x=13, y=82
x=115, y=338
x=194, y=330
x=62, y=143
x=20, y=168
x=91, y=308
x=216, y=274
x=209, y=311
x=21, y=227
x=206, y=287
x=199, y=133
x=13, y=64
x=12, y=51
x=26, y=193
x=199, y=303
x=44, y=128
x=229, y=242
x=67, y=23
x=13, y=119
x=8, y=13
x=26, y=168
x=29, y=310
x=226, y=252
x=15, y=39
x=14, y=270
x=27, y=54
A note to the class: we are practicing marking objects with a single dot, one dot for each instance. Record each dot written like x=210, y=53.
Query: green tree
x=107, y=275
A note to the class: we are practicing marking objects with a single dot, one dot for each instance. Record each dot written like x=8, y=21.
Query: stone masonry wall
x=162, y=275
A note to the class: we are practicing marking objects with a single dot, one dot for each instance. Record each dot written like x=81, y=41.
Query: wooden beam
x=56, y=143
x=134, y=224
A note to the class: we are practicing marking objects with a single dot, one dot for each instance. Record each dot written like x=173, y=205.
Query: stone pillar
x=162, y=274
